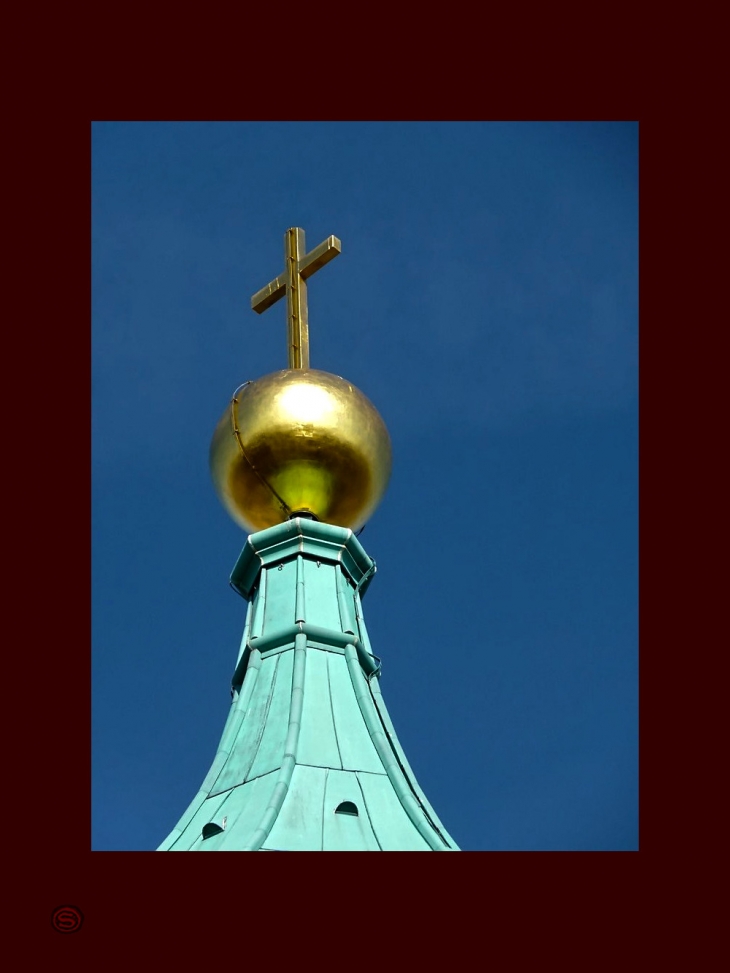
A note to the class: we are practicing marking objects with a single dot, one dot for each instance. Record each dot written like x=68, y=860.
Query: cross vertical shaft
x=296, y=299
x=298, y=266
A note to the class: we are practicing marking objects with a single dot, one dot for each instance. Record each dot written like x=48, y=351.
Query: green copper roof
x=309, y=759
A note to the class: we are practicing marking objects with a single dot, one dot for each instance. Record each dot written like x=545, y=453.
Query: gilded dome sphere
x=300, y=441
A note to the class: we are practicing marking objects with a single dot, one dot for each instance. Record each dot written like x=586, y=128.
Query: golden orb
x=300, y=441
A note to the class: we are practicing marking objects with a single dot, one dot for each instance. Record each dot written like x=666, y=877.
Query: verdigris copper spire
x=309, y=759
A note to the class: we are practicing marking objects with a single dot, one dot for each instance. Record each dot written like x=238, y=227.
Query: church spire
x=309, y=759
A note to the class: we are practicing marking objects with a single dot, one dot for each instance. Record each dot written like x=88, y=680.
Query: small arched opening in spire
x=347, y=807
x=212, y=828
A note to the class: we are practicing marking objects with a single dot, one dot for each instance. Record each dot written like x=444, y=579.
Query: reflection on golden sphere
x=300, y=440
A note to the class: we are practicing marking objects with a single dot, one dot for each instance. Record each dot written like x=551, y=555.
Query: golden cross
x=298, y=267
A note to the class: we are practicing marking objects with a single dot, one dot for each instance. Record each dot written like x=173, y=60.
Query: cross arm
x=270, y=294
x=318, y=257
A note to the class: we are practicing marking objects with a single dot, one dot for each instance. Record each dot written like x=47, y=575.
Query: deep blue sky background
x=486, y=300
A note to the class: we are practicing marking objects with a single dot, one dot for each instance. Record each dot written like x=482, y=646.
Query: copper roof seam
x=288, y=763
x=385, y=752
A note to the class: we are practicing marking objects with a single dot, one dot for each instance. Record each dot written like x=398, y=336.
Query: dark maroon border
x=133, y=901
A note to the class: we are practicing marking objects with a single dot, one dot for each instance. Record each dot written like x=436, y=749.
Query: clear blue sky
x=486, y=300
